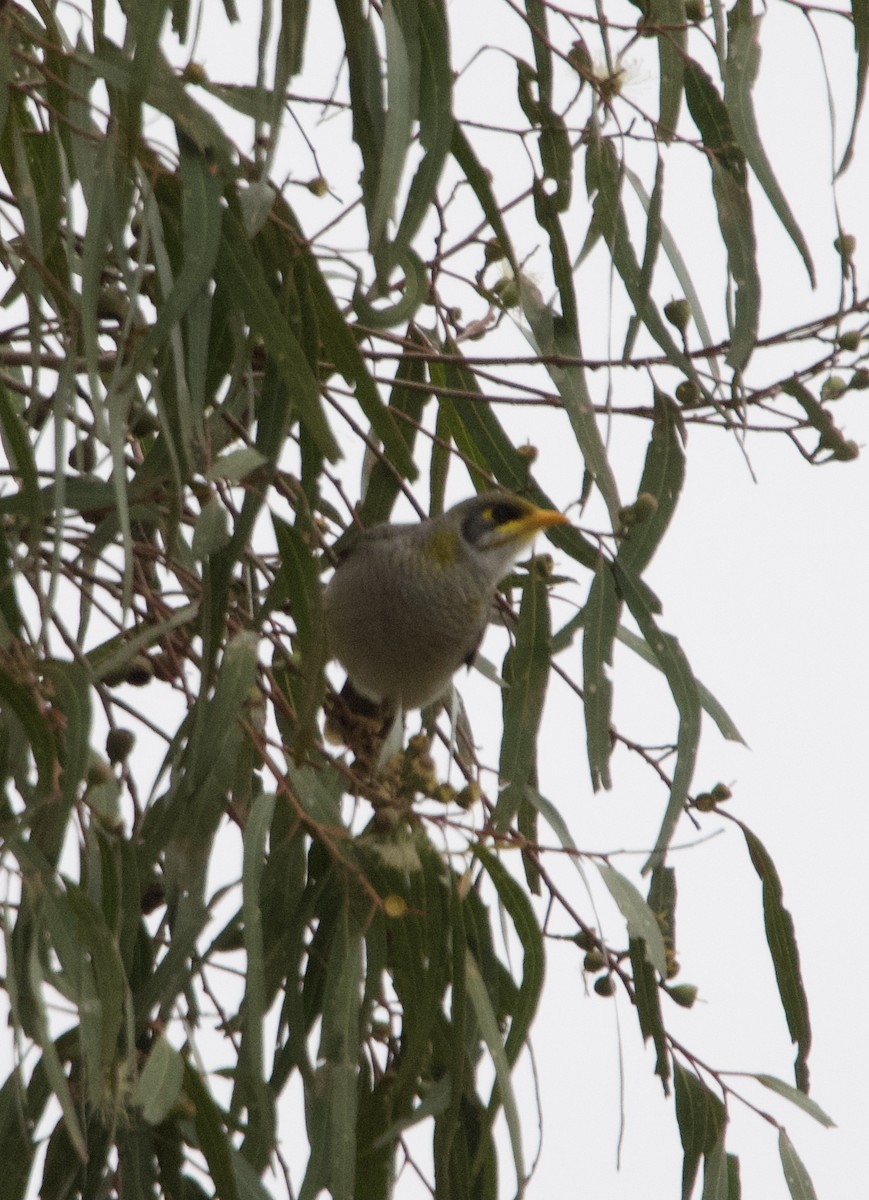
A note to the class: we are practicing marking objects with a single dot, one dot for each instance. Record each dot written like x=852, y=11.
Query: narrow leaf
x=240, y=266
x=435, y=113
x=478, y=178
x=647, y=997
x=212, y=1137
x=683, y=686
x=797, y=1097
x=573, y=389
x=860, y=17
x=524, y=696
x=716, y=1185
x=796, y=1176
x=732, y=200
x=669, y=17
x=488, y=1023
x=519, y=909
x=662, y=479
x=402, y=83
x=641, y=921
x=159, y=1085
x=740, y=75
x=601, y=617
x=701, y=1118
x=782, y=942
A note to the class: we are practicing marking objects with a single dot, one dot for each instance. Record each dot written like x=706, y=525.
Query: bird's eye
x=502, y=513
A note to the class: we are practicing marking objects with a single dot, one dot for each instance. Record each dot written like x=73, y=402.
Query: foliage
x=189, y=347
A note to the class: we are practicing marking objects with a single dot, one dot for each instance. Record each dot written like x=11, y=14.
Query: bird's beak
x=533, y=522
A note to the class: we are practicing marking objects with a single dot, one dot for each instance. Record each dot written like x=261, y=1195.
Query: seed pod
x=594, y=960
x=849, y=340
x=119, y=743
x=604, y=986
x=684, y=994
x=678, y=313
x=846, y=244
x=140, y=671
x=688, y=393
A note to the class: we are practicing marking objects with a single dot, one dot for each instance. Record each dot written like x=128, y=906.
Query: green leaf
x=54, y=1071
x=339, y=344
x=251, y=1083
x=654, y=234
x=782, y=942
x=478, y=178
x=211, y=531
x=159, y=1086
x=601, y=616
x=241, y=269
x=236, y=465
x=212, y=1137
x=366, y=92
x=740, y=75
x=21, y=1108
x=201, y=217
x=732, y=200
x=518, y=908
x=573, y=389
x=683, y=686
x=662, y=479
x=716, y=1183
x=165, y=92
x=680, y=269
x=408, y=397
x=298, y=575
x=797, y=1097
x=488, y=1023
x=669, y=17
x=604, y=177
x=430, y=39
x=701, y=1118
x=19, y=453
x=641, y=921
x=647, y=997
x=340, y=1049
x=22, y=701
x=860, y=17
x=402, y=83
x=118, y=652
x=523, y=697
x=104, y=994
x=796, y=1176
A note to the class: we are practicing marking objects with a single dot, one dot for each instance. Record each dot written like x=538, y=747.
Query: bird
x=408, y=604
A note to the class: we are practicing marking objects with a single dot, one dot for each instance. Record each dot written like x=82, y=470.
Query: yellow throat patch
x=443, y=548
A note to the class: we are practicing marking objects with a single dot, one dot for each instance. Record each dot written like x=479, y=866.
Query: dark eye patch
x=483, y=518
x=502, y=512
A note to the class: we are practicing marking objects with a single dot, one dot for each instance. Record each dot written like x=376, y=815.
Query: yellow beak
x=524, y=528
